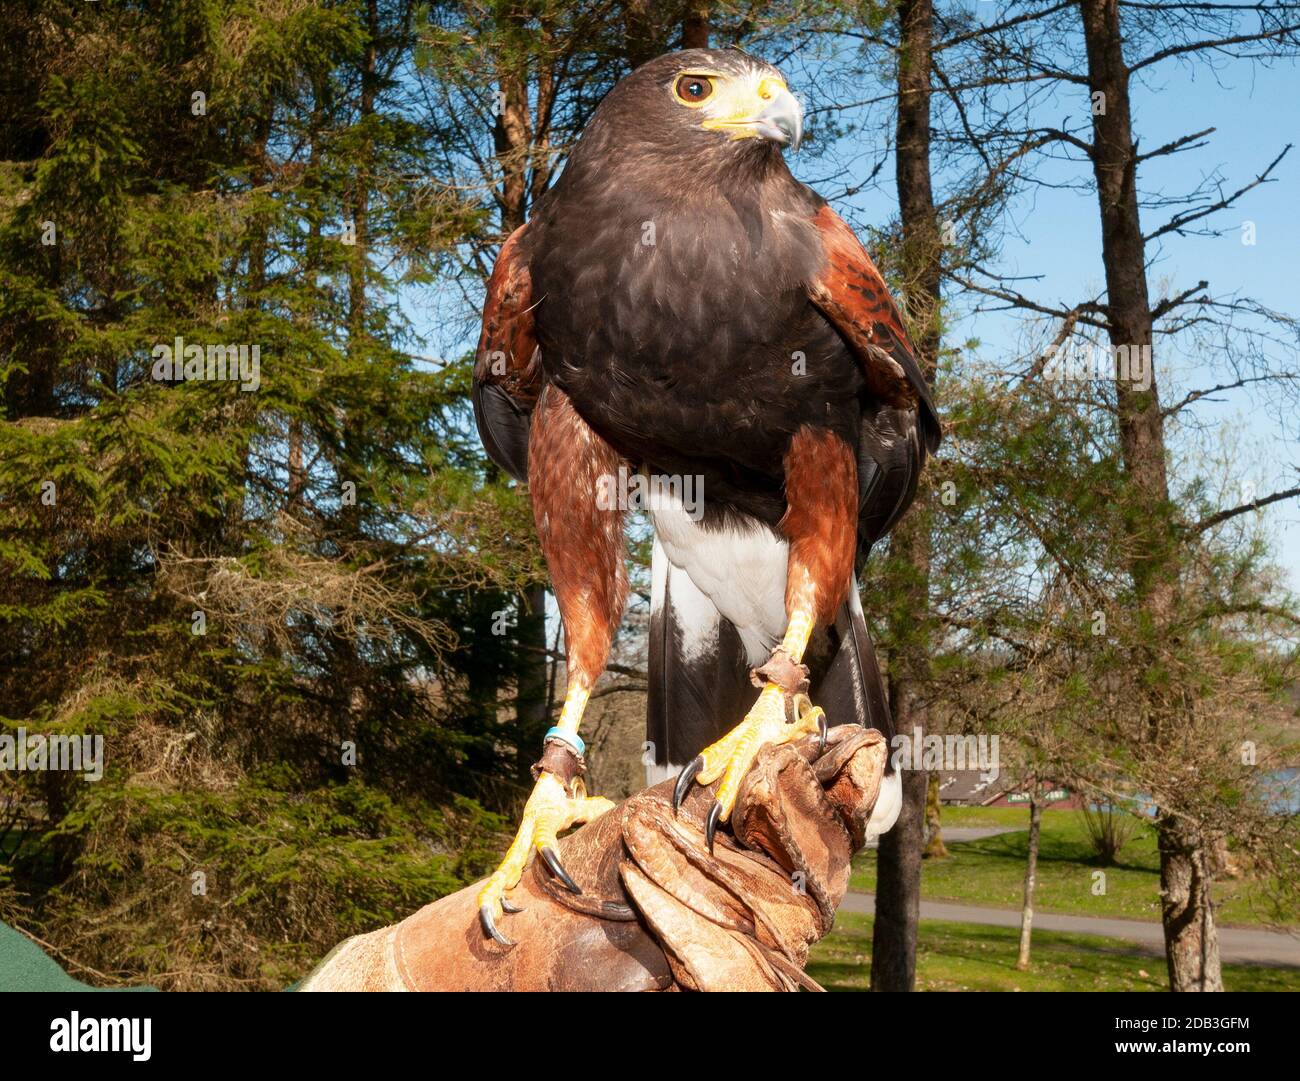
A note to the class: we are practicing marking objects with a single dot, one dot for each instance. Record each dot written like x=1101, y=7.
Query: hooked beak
x=779, y=116
x=781, y=120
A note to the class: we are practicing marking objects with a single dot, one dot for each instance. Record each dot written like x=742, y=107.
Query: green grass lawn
x=974, y=957
x=992, y=871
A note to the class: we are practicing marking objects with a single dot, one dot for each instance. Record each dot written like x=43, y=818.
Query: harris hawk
x=680, y=305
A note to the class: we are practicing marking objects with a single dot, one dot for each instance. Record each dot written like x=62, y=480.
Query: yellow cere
x=736, y=102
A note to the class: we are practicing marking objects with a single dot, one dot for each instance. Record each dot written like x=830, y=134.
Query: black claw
x=823, y=727
x=508, y=907
x=711, y=824
x=553, y=862
x=684, y=780
x=490, y=926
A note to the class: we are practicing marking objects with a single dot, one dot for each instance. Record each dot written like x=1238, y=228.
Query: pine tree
x=250, y=587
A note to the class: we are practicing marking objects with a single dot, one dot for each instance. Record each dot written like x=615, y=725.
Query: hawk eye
x=693, y=89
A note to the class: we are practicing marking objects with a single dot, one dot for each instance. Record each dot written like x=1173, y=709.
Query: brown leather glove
x=657, y=911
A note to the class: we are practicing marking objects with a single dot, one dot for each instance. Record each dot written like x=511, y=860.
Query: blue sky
x=1256, y=112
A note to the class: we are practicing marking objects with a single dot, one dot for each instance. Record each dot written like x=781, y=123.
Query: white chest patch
x=741, y=571
x=696, y=616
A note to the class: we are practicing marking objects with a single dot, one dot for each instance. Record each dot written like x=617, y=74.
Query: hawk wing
x=900, y=425
x=507, y=367
x=850, y=292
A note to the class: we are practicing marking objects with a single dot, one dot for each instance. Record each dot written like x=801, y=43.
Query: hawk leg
x=570, y=470
x=821, y=525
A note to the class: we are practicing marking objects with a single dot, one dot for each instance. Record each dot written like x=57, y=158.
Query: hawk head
x=698, y=105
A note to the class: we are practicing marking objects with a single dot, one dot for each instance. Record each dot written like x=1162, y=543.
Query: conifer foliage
x=242, y=532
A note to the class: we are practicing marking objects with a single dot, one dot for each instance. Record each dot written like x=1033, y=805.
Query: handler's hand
x=657, y=911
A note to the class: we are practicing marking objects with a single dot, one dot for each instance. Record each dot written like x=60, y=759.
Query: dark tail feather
x=852, y=690
x=890, y=458
x=503, y=426
x=695, y=698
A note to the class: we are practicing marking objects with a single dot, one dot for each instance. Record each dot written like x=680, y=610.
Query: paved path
x=956, y=834
x=1237, y=945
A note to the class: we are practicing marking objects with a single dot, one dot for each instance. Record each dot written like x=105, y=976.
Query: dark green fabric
x=24, y=966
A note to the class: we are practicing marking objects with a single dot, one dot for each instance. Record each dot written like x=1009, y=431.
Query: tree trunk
x=640, y=36
x=513, y=137
x=349, y=672
x=360, y=198
x=1031, y=876
x=898, y=869
x=1191, y=938
x=531, y=680
x=296, y=475
x=898, y=889
x=935, y=849
x=695, y=25
x=1191, y=945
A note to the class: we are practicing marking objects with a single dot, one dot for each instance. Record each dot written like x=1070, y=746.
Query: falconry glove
x=657, y=910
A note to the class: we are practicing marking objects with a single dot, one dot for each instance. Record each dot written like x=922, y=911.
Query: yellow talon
x=732, y=755
x=550, y=810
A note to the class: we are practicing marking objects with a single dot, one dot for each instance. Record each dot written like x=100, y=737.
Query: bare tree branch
x=1197, y=395
x=1170, y=303
x=1232, y=512
x=1017, y=300
x=1218, y=43
x=1178, y=144
x=1176, y=224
